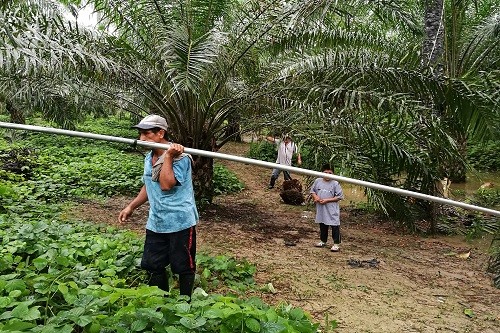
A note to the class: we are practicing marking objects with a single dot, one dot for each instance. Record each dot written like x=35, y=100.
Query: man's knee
x=152, y=264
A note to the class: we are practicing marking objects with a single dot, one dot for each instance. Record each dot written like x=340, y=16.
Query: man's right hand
x=124, y=214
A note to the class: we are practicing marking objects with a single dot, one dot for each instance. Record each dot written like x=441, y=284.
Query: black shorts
x=177, y=249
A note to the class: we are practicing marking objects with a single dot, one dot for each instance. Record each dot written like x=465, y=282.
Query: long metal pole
x=254, y=162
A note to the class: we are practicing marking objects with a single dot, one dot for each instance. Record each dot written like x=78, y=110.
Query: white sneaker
x=320, y=244
x=335, y=248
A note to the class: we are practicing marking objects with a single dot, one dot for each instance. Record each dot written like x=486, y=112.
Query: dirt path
x=419, y=284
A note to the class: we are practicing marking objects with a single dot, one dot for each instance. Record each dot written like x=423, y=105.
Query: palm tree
x=363, y=99
x=41, y=67
x=203, y=63
x=188, y=61
x=462, y=43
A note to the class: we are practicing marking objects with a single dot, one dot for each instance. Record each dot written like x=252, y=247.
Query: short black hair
x=327, y=167
x=154, y=130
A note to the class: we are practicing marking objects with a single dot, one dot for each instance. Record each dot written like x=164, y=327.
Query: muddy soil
x=382, y=280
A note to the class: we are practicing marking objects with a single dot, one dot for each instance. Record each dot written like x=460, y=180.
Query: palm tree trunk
x=494, y=261
x=16, y=115
x=458, y=169
x=432, y=52
x=203, y=167
x=433, y=55
x=203, y=171
x=433, y=45
x=233, y=127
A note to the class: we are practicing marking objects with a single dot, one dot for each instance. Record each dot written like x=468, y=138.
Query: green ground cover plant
x=484, y=155
x=262, y=150
x=60, y=275
x=66, y=276
x=489, y=197
x=60, y=167
x=225, y=181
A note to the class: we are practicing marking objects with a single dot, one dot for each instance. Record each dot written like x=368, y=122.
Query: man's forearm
x=140, y=199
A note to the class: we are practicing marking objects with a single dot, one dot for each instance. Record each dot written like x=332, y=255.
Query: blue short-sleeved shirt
x=173, y=210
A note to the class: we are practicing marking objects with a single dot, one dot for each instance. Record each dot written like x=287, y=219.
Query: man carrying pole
x=170, y=229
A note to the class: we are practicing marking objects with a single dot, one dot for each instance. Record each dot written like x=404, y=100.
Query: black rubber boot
x=160, y=280
x=186, y=283
x=272, y=182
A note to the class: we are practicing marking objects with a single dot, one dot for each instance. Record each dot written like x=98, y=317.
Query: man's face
x=151, y=135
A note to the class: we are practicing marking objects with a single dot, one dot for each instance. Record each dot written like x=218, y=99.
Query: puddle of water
x=352, y=194
x=474, y=182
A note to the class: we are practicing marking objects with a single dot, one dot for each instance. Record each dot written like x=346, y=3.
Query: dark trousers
x=177, y=249
x=275, y=174
x=323, y=233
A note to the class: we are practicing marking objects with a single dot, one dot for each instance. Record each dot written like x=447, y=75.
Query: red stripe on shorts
x=190, y=244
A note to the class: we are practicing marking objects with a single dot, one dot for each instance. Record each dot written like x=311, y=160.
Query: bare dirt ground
x=420, y=284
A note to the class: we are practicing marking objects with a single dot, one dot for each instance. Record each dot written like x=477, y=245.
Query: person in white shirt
x=286, y=149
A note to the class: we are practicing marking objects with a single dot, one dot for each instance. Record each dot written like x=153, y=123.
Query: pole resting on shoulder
x=264, y=164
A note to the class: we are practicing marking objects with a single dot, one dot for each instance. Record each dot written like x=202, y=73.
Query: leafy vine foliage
x=62, y=275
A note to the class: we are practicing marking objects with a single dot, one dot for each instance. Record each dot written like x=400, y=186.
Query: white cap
x=152, y=121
